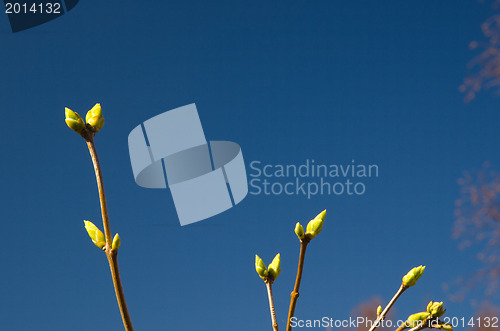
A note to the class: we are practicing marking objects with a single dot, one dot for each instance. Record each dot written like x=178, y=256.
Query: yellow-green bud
x=96, y=123
x=410, y=279
x=415, y=318
x=95, y=234
x=260, y=267
x=274, y=268
x=435, y=309
x=116, y=242
x=315, y=226
x=429, y=306
x=74, y=121
x=299, y=230
x=94, y=118
x=95, y=111
x=379, y=310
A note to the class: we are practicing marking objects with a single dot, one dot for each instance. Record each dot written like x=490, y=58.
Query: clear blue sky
x=288, y=81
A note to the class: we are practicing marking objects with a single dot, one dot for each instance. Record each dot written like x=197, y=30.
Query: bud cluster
x=433, y=312
x=435, y=309
x=270, y=273
x=98, y=237
x=313, y=228
x=94, y=119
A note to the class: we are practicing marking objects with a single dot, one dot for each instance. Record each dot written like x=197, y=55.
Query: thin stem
x=401, y=328
x=102, y=194
x=120, y=296
x=375, y=325
x=269, y=286
x=295, y=293
x=110, y=253
x=428, y=323
x=418, y=328
x=423, y=325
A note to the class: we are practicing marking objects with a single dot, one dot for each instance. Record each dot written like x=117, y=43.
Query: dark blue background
x=288, y=81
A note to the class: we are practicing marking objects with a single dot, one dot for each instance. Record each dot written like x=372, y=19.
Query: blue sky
x=332, y=81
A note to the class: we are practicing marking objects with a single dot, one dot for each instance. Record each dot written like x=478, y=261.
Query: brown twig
x=295, y=293
x=375, y=325
x=422, y=325
x=110, y=253
x=269, y=286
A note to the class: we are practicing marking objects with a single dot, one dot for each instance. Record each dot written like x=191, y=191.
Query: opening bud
x=436, y=309
x=94, y=118
x=260, y=267
x=315, y=226
x=274, y=268
x=95, y=234
x=116, y=242
x=299, y=230
x=74, y=121
x=410, y=279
